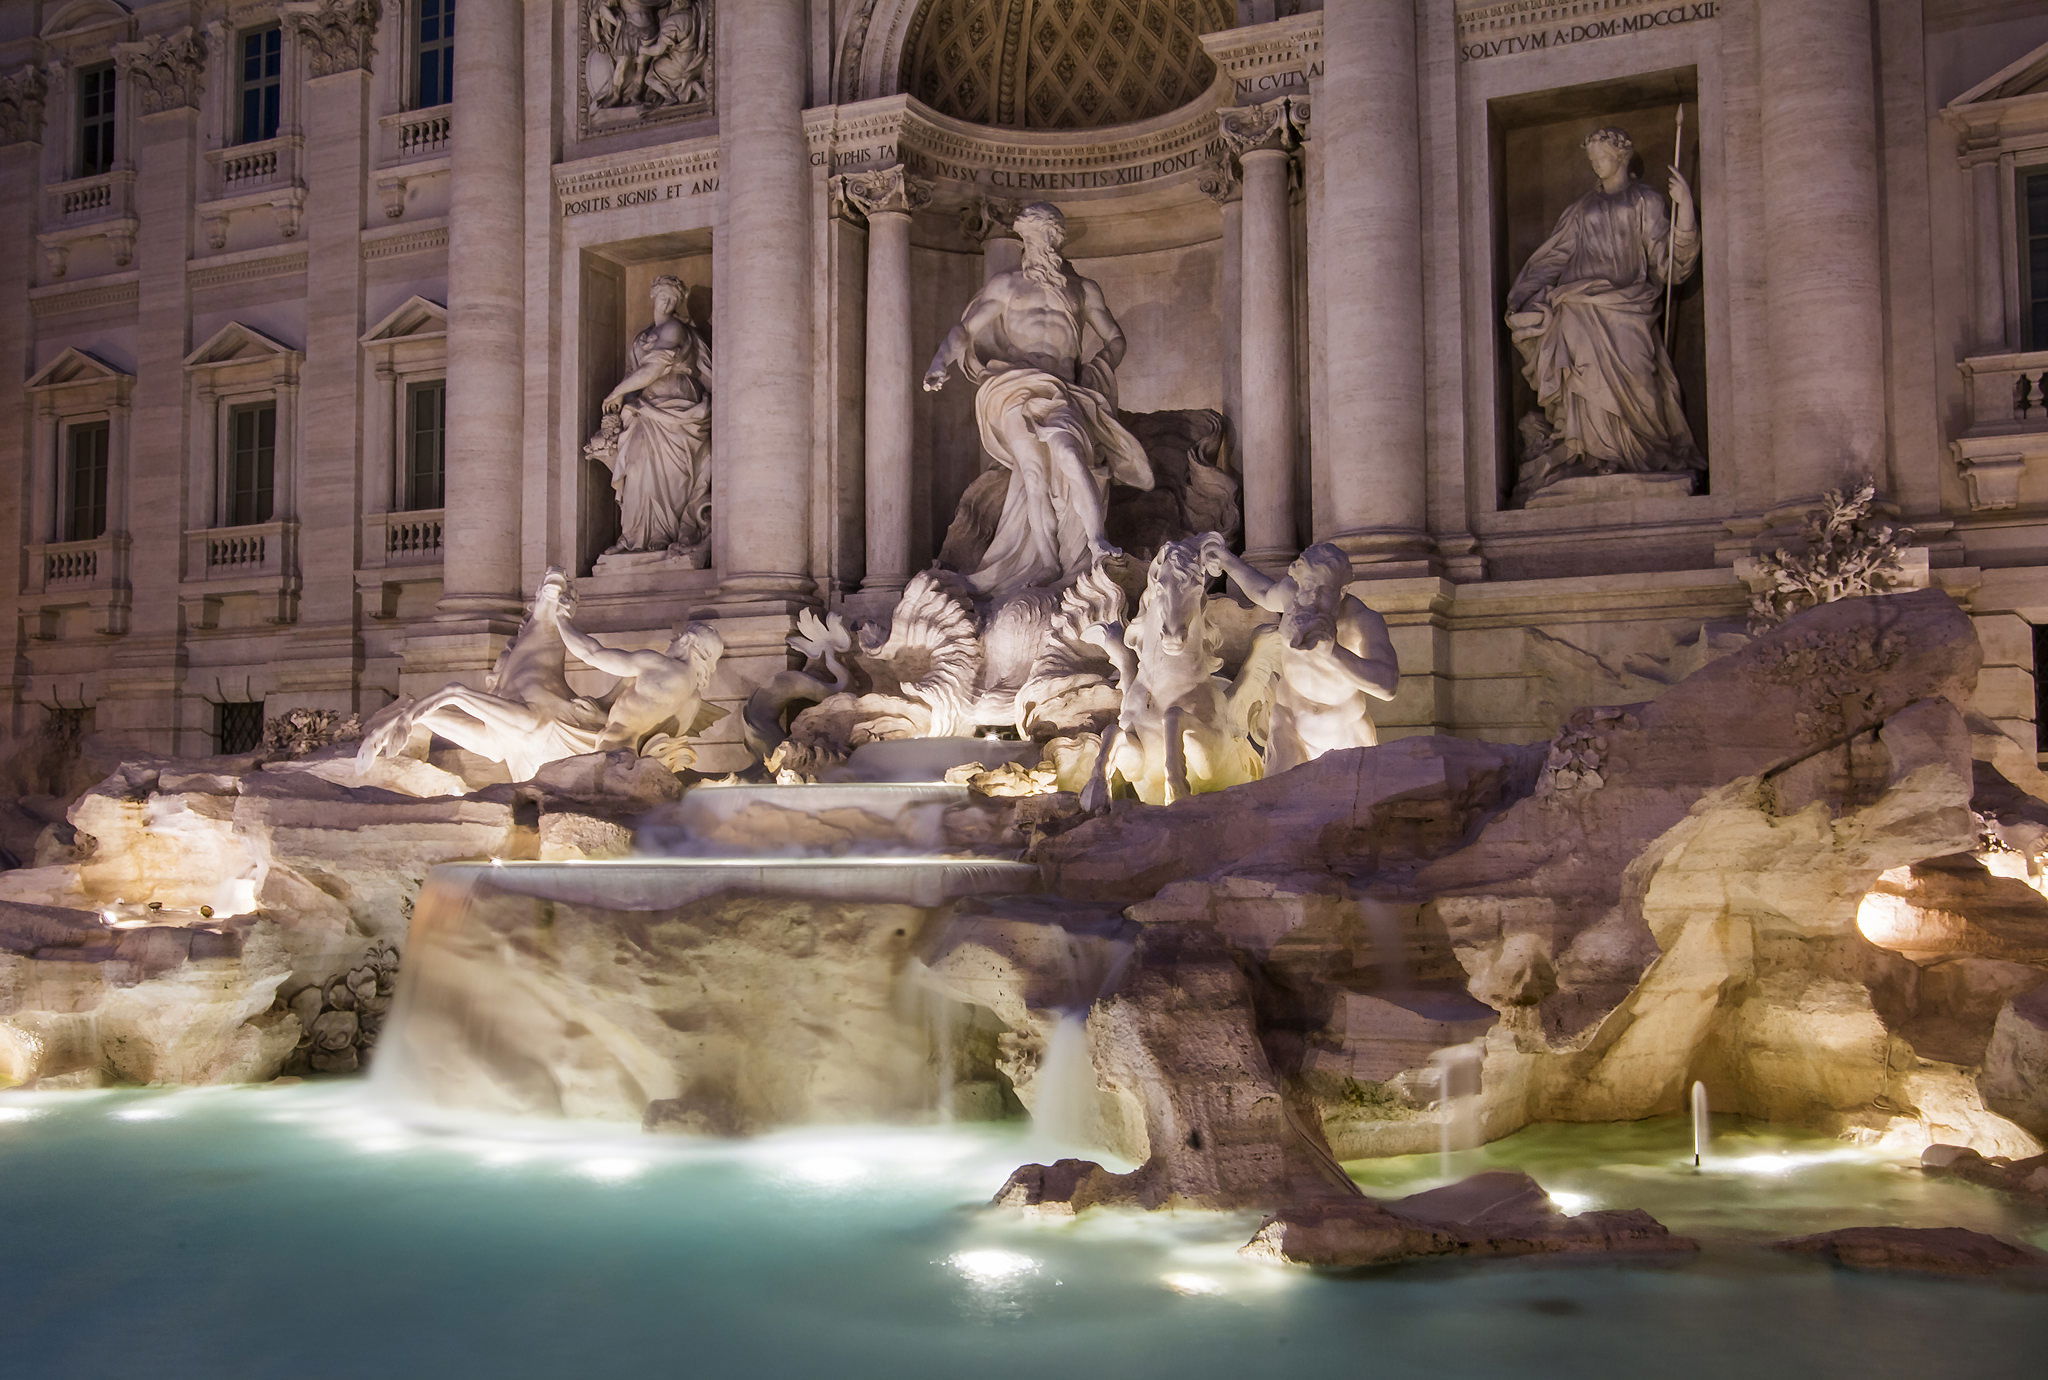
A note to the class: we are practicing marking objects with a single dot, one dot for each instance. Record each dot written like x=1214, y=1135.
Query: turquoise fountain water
x=254, y=1233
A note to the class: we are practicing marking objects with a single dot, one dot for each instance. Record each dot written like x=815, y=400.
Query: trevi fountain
x=1062, y=939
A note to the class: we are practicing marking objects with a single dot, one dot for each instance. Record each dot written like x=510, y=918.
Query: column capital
x=884, y=191
x=1220, y=182
x=21, y=106
x=335, y=34
x=986, y=218
x=1276, y=126
x=166, y=71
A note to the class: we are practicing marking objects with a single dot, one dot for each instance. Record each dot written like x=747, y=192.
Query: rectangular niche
x=615, y=308
x=1538, y=170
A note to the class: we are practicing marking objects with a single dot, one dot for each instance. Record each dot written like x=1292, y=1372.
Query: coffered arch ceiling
x=1060, y=64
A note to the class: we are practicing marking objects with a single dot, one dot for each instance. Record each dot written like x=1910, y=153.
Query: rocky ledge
x=1500, y=1213
x=1922, y=1250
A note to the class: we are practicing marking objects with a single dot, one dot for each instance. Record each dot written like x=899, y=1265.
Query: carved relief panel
x=644, y=60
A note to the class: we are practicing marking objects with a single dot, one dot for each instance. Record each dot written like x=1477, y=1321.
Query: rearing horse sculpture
x=525, y=716
x=1183, y=728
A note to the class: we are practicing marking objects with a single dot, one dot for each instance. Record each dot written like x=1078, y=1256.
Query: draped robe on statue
x=1583, y=314
x=661, y=472
x=1037, y=539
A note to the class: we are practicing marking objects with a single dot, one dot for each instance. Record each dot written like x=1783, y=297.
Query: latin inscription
x=639, y=196
x=1581, y=33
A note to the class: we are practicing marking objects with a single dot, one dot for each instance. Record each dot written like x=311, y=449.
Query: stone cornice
x=610, y=172
x=64, y=299
x=335, y=35
x=392, y=244
x=1264, y=60
x=21, y=106
x=245, y=267
x=165, y=71
x=1531, y=17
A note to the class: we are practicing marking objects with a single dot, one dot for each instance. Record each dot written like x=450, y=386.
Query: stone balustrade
x=410, y=538
x=411, y=135
x=83, y=200
x=262, y=548
x=2002, y=452
x=74, y=565
x=242, y=168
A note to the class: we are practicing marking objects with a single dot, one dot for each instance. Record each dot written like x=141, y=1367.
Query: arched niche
x=1139, y=57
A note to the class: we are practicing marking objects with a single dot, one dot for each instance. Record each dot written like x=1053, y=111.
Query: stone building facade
x=315, y=305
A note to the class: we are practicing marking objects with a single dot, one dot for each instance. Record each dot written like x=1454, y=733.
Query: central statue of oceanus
x=1046, y=407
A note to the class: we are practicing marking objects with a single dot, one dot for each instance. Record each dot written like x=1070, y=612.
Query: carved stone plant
x=1849, y=553
x=339, y=1019
x=297, y=732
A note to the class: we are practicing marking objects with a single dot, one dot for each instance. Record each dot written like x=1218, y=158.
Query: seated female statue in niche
x=1584, y=316
x=656, y=435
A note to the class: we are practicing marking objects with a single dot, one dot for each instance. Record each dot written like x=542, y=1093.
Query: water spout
x=1702, y=1123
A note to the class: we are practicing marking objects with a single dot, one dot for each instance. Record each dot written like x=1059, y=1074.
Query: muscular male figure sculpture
x=1045, y=412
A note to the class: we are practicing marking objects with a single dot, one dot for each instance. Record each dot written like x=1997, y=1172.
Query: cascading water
x=1063, y=1104
x=1702, y=1123
x=748, y=969
x=1459, y=1071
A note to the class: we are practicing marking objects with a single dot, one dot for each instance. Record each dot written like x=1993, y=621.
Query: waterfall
x=1459, y=1070
x=1062, y=1110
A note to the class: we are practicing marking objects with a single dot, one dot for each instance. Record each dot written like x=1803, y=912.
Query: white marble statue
x=656, y=435
x=1584, y=315
x=648, y=53
x=1183, y=729
x=525, y=716
x=661, y=701
x=1046, y=406
x=1330, y=655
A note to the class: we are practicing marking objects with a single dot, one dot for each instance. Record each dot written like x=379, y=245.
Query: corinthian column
x=888, y=198
x=1820, y=203
x=761, y=525
x=1264, y=138
x=486, y=317
x=1368, y=271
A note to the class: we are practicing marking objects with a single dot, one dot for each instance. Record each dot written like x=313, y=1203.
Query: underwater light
x=992, y=1266
x=1569, y=1203
x=143, y=1114
x=828, y=1170
x=616, y=1169
x=20, y=1113
x=1194, y=1286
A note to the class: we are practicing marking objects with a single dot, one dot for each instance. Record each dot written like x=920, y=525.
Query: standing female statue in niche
x=1583, y=315
x=656, y=435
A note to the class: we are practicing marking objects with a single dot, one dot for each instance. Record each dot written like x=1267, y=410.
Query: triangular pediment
x=2026, y=77
x=236, y=343
x=413, y=318
x=74, y=366
x=80, y=15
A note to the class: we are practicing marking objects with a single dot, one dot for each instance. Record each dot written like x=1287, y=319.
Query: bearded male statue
x=1584, y=316
x=1046, y=407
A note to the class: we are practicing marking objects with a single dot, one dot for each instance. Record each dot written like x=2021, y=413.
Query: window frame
x=106, y=122
x=408, y=498
x=243, y=86
x=66, y=491
x=418, y=49
x=232, y=452
x=2031, y=290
